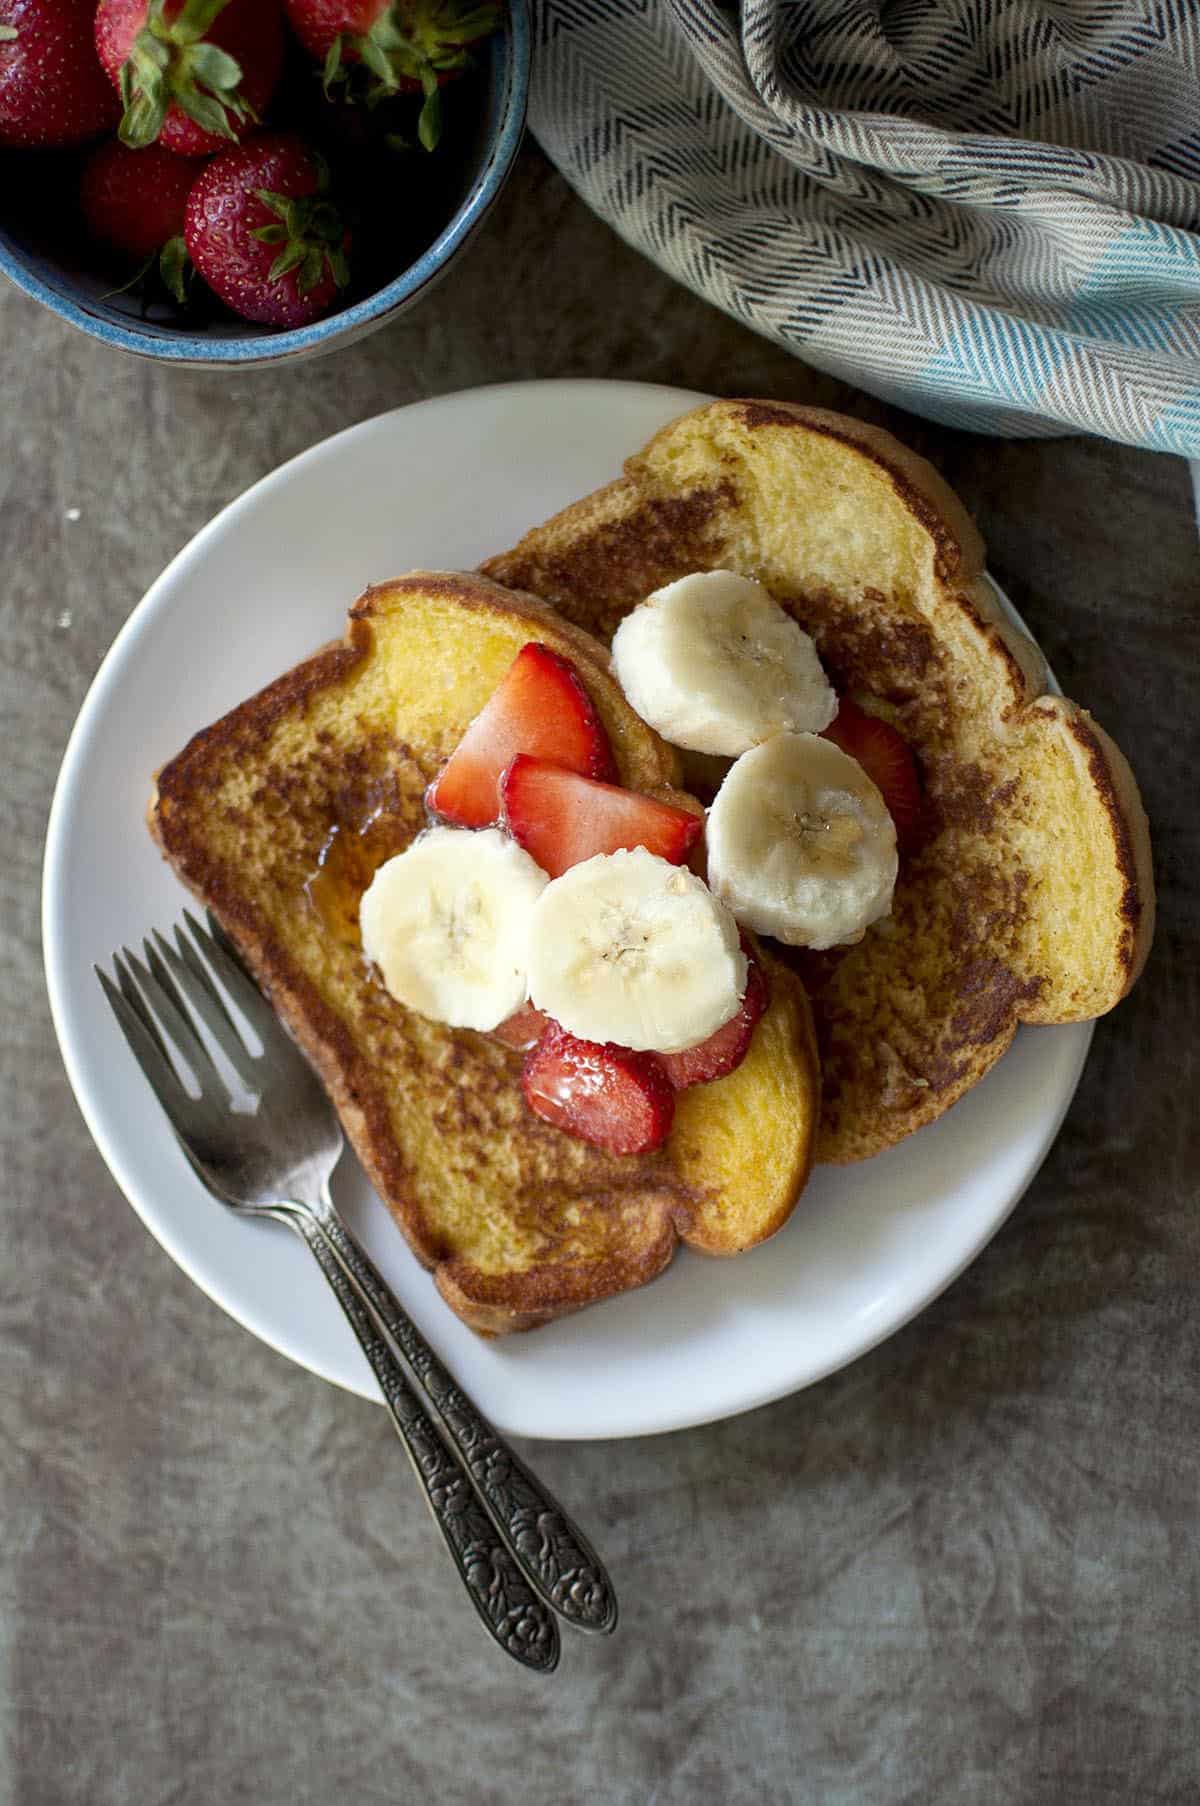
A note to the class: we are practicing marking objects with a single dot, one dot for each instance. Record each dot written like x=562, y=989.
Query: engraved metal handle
x=553, y=1552
x=499, y=1591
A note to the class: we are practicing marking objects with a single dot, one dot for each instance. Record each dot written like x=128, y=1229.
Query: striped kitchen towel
x=984, y=210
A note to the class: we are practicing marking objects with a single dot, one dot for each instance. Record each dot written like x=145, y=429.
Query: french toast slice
x=277, y=817
x=1028, y=896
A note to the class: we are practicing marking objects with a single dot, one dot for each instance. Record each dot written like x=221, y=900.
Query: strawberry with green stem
x=193, y=75
x=264, y=233
x=407, y=46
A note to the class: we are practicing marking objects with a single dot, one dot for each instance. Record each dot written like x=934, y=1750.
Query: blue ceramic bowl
x=67, y=277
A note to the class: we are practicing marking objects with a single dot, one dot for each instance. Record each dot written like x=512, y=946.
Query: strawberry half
x=885, y=757
x=522, y=1029
x=727, y=1048
x=562, y=819
x=540, y=708
x=617, y=1100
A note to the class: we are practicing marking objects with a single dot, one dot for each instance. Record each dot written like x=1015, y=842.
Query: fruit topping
x=447, y=923
x=522, y=1028
x=728, y=1047
x=716, y=665
x=884, y=755
x=618, y=1100
x=800, y=844
x=561, y=819
x=541, y=708
x=629, y=949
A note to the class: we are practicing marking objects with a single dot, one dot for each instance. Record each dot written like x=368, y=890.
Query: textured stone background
x=964, y=1570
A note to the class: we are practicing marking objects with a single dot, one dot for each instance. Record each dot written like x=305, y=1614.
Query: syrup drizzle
x=350, y=855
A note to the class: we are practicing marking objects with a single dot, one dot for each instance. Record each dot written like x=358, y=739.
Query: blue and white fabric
x=987, y=211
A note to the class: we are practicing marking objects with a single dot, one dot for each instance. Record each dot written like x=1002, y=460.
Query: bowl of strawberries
x=243, y=181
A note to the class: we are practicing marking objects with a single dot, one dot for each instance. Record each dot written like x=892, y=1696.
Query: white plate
x=444, y=483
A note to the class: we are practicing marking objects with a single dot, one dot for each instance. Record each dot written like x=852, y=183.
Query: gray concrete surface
x=965, y=1570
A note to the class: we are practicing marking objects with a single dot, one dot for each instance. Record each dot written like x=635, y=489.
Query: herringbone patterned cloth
x=985, y=210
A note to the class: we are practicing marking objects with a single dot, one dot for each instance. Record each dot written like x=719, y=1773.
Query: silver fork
x=264, y=1138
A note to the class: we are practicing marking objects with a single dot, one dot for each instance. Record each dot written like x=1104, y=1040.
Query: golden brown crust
x=247, y=814
x=789, y=1160
x=914, y=1015
x=920, y=487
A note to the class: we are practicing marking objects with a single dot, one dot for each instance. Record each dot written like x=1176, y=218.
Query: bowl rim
x=350, y=322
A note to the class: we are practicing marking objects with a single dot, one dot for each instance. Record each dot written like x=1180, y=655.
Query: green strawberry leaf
x=325, y=224
x=209, y=64
x=7, y=33
x=310, y=270
x=195, y=20
x=171, y=61
x=289, y=258
x=309, y=230
x=173, y=267
x=376, y=59
x=333, y=72
x=429, y=125
x=142, y=119
x=207, y=112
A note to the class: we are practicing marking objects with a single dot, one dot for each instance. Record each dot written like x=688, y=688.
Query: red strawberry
x=407, y=45
x=52, y=90
x=540, y=707
x=561, y=819
x=193, y=75
x=134, y=201
x=884, y=756
x=263, y=233
x=522, y=1029
x=617, y=1100
x=728, y=1047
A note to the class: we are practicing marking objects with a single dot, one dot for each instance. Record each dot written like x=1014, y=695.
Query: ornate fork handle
x=554, y=1553
x=499, y=1591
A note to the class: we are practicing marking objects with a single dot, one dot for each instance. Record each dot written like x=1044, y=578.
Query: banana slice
x=800, y=843
x=628, y=948
x=716, y=665
x=447, y=923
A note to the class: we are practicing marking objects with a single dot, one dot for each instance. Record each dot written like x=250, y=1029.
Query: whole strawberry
x=52, y=90
x=407, y=45
x=134, y=202
x=193, y=75
x=263, y=233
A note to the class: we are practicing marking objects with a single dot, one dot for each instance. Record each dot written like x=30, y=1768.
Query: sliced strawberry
x=562, y=819
x=522, y=1029
x=541, y=708
x=619, y=1101
x=885, y=757
x=728, y=1047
